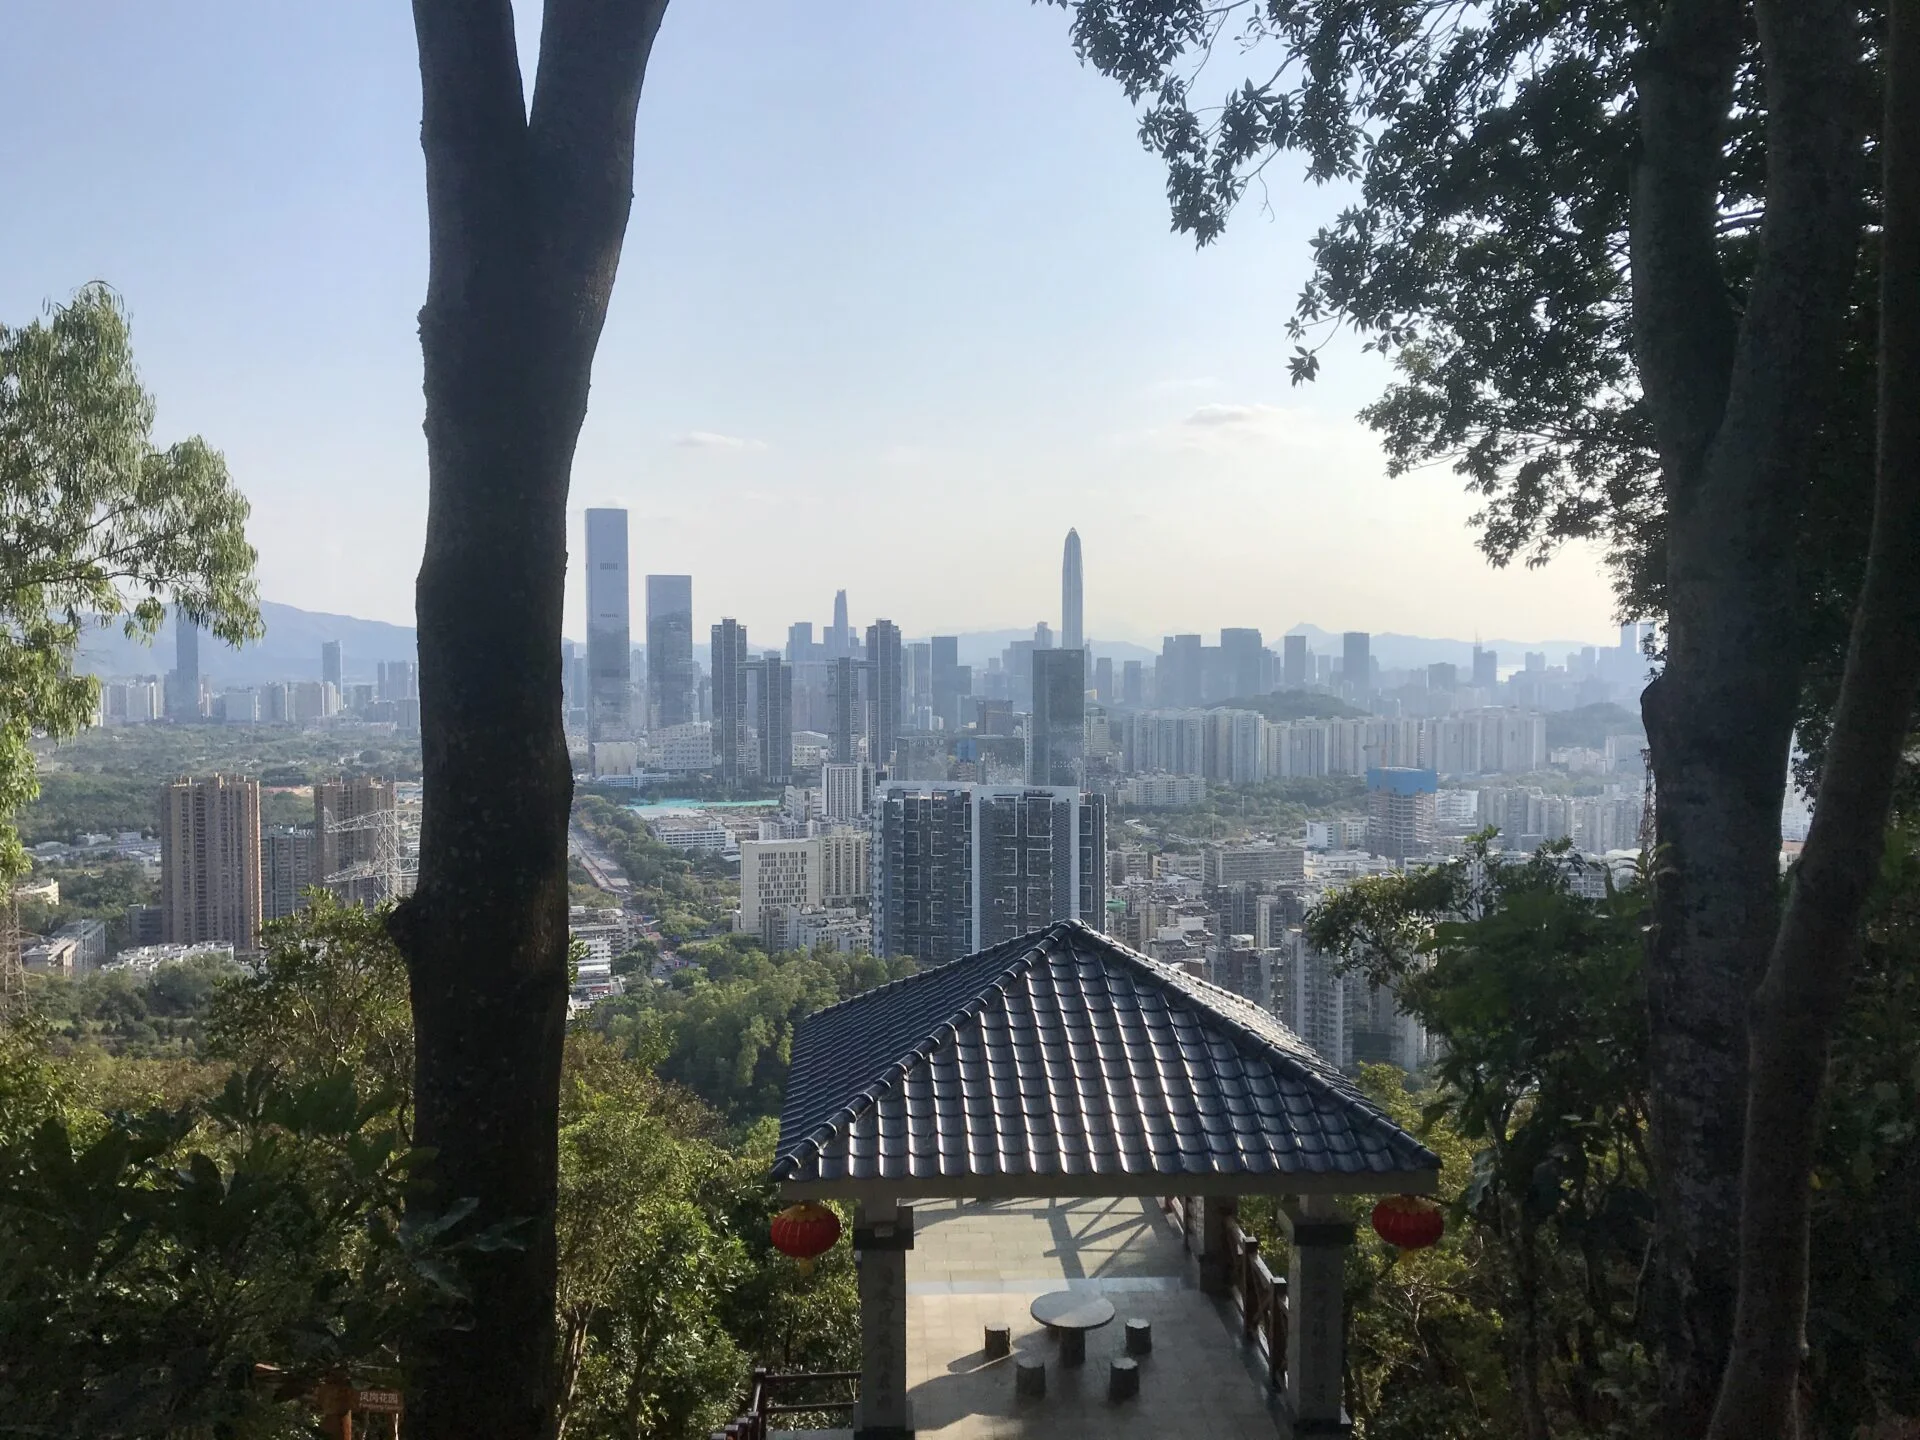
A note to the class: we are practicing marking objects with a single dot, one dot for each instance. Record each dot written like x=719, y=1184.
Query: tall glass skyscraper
x=886, y=692
x=609, y=628
x=1356, y=664
x=672, y=684
x=1072, y=631
x=729, y=699
x=1056, y=731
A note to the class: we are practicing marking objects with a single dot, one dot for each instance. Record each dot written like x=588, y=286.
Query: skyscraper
x=773, y=718
x=956, y=868
x=1072, y=632
x=1056, y=731
x=672, y=684
x=333, y=668
x=1133, y=683
x=1241, y=651
x=1103, y=680
x=1486, y=668
x=729, y=700
x=183, y=682
x=1177, y=679
x=839, y=634
x=1400, y=811
x=1296, y=670
x=210, y=860
x=946, y=681
x=885, y=691
x=609, y=628
x=843, y=701
x=286, y=864
x=1356, y=664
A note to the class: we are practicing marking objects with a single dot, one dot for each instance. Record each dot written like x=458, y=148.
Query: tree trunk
x=526, y=218
x=1734, y=404
x=1806, y=982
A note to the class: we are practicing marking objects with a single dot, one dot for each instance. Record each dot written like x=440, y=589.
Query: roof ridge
x=1328, y=1080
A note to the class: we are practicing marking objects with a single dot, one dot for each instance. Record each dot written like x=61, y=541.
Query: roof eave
x=1025, y=1187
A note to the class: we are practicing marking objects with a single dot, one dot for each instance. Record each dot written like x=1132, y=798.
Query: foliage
x=723, y=1026
x=149, y=1016
x=148, y=1269
x=689, y=895
x=1266, y=807
x=1590, y=725
x=1533, y=993
x=1284, y=705
x=328, y=993
x=98, y=526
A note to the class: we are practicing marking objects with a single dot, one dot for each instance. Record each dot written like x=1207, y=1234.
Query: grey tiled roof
x=1064, y=1054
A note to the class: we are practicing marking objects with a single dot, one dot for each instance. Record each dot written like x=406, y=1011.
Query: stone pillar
x=1316, y=1338
x=882, y=1235
x=1210, y=1242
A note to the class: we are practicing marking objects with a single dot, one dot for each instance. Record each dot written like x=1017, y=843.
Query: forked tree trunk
x=1807, y=980
x=526, y=215
x=1734, y=401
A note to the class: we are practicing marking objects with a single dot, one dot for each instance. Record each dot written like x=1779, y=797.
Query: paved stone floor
x=976, y=1264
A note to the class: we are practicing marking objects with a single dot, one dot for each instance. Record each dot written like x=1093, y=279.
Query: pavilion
x=1062, y=1064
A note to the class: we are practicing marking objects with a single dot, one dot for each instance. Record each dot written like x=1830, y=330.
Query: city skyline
x=276, y=167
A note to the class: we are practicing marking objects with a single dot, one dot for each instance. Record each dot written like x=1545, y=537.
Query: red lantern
x=805, y=1231
x=1410, y=1222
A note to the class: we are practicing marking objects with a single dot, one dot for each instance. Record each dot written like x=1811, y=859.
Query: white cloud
x=1214, y=417
x=713, y=440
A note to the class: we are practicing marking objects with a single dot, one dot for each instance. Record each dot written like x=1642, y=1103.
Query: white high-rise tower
x=1072, y=632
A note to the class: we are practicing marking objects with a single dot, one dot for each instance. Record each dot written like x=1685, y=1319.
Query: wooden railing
x=772, y=1397
x=1258, y=1296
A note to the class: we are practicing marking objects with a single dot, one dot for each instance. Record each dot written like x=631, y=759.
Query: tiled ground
x=978, y=1264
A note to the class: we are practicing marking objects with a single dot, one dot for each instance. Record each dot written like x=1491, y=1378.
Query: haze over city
x=898, y=306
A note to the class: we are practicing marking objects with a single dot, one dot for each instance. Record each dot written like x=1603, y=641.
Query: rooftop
x=1062, y=1063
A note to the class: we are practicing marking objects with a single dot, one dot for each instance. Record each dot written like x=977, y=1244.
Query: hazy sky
x=899, y=304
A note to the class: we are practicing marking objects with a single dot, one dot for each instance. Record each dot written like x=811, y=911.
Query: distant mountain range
x=290, y=650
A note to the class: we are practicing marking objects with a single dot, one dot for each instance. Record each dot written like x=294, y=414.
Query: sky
x=899, y=304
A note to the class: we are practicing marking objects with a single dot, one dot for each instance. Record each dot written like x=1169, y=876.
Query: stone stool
x=999, y=1341
x=1123, y=1378
x=1029, y=1376
x=1139, y=1337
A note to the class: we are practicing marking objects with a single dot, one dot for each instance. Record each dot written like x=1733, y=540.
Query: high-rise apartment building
x=1056, y=730
x=609, y=628
x=356, y=827
x=846, y=791
x=286, y=865
x=773, y=717
x=946, y=681
x=885, y=691
x=1400, y=811
x=210, y=860
x=672, y=682
x=1296, y=668
x=183, y=681
x=956, y=868
x=1356, y=664
x=729, y=658
x=1072, y=632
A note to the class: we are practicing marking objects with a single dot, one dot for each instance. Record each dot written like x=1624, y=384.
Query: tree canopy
x=99, y=526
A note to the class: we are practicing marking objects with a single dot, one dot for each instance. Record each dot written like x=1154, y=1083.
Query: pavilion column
x=1210, y=1242
x=1316, y=1331
x=882, y=1235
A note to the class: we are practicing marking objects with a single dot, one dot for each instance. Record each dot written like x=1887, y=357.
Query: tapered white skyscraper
x=1072, y=633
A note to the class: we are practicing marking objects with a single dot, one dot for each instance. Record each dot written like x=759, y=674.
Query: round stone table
x=1070, y=1314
